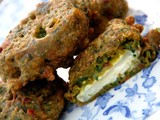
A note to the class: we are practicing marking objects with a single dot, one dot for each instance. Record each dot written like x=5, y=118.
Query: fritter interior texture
x=38, y=100
x=42, y=42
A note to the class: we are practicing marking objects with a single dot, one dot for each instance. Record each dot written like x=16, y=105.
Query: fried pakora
x=99, y=13
x=109, y=60
x=38, y=100
x=108, y=8
x=42, y=42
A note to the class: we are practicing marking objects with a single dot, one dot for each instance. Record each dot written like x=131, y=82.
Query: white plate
x=136, y=99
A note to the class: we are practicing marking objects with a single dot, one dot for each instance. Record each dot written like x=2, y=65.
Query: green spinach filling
x=105, y=62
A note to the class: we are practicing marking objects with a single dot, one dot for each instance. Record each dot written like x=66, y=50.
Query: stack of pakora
x=47, y=39
x=109, y=49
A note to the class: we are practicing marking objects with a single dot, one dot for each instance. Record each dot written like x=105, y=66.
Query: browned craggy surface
x=42, y=42
x=37, y=100
x=99, y=13
x=49, y=37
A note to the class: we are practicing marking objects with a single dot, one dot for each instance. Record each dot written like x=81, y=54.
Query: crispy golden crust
x=42, y=42
x=38, y=100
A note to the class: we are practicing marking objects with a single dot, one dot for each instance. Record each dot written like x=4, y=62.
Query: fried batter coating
x=99, y=13
x=38, y=100
x=108, y=61
x=42, y=42
x=108, y=8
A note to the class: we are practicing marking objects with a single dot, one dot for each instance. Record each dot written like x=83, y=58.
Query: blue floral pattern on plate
x=119, y=107
x=136, y=99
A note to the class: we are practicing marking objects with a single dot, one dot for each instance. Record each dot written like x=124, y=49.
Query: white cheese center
x=120, y=66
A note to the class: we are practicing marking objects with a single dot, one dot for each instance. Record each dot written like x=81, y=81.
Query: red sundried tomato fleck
x=127, y=78
x=106, y=1
x=1, y=49
x=30, y=112
x=106, y=64
x=27, y=100
x=91, y=30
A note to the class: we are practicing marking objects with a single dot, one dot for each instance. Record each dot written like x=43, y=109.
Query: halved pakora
x=111, y=59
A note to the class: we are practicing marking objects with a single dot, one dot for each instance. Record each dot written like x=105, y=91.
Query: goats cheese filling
x=123, y=63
